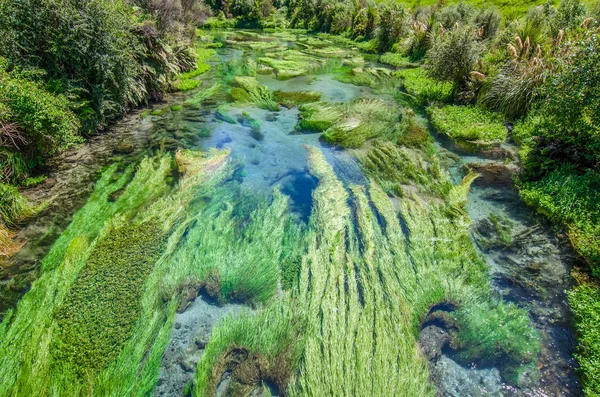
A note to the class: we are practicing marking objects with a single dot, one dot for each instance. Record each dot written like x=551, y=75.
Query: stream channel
x=529, y=264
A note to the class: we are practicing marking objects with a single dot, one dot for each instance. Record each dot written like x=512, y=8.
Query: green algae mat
x=288, y=184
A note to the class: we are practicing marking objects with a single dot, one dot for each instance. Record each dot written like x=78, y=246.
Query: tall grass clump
x=513, y=90
x=453, y=55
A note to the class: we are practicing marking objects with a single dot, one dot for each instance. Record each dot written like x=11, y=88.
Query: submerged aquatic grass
x=247, y=90
x=362, y=277
x=352, y=124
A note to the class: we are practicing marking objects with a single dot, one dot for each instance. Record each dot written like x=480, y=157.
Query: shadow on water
x=299, y=187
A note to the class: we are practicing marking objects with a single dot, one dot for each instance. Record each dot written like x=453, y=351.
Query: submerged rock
x=124, y=147
x=454, y=380
x=190, y=334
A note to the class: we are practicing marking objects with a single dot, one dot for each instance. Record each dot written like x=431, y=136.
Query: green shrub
x=423, y=88
x=393, y=24
x=487, y=20
x=454, y=14
x=34, y=124
x=453, y=55
x=569, y=122
x=585, y=304
x=468, y=124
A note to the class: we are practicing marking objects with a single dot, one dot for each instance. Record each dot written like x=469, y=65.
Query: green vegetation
x=247, y=90
x=187, y=81
x=397, y=60
x=572, y=199
x=348, y=297
x=351, y=124
x=13, y=209
x=99, y=313
x=202, y=95
x=248, y=121
x=34, y=124
x=338, y=302
x=468, y=124
x=585, y=303
x=417, y=84
x=221, y=114
x=295, y=98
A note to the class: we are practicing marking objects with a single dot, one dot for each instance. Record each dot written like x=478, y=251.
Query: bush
x=513, y=90
x=451, y=15
x=468, y=124
x=107, y=54
x=487, y=22
x=585, y=303
x=393, y=24
x=453, y=55
x=34, y=124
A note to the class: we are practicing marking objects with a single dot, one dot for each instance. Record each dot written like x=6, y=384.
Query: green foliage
x=423, y=88
x=34, y=124
x=568, y=197
x=585, y=304
x=247, y=90
x=393, y=24
x=454, y=14
x=487, y=20
x=108, y=55
x=395, y=59
x=453, y=55
x=513, y=90
x=99, y=312
x=490, y=332
x=13, y=207
x=186, y=81
x=186, y=85
x=468, y=124
x=570, y=112
x=352, y=124
x=294, y=98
